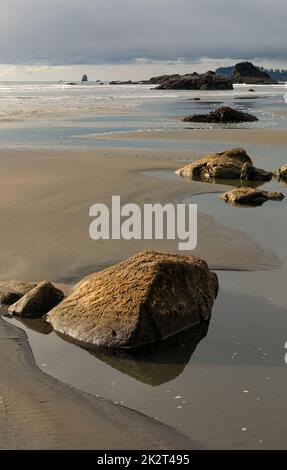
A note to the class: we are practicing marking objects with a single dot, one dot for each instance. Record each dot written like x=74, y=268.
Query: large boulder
x=38, y=301
x=223, y=115
x=246, y=72
x=281, y=173
x=230, y=164
x=11, y=291
x=250, y=196
x=141, y=300
x=192, y=81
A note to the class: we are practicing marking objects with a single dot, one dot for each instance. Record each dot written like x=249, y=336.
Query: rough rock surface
x=194, y=81
x=38, y=301
x=250, y=196
x=143, y=299
x=281, y=173
x=223, y=114
x=246, y=72
x=230, y=164
x=11, y=291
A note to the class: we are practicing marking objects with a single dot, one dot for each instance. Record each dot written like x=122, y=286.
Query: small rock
x=11, y=291
x=250, y=196
x=247, y=97
x=38, y=301
x=281, y=173
x=224, y=114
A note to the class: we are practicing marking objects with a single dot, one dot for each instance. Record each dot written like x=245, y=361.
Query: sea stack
x=246, y=72
x=85, y=78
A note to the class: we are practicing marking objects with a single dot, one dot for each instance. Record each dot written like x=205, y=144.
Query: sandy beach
x=45, y=201
x=39, y=412
x=143, y=261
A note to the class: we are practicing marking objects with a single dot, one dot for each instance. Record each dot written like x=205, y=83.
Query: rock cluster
x=194, y=81
x=230, y=164
x=128, y=82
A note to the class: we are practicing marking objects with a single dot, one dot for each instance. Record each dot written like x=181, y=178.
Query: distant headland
x=277, y=74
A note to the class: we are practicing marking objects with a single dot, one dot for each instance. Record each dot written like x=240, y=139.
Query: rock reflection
x=237, y=183
x=36, y=324
x=152, y=364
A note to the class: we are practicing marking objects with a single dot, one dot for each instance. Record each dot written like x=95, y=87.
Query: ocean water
x=63, y=115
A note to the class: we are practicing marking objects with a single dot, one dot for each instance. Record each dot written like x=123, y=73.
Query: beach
x=50, y=178
x=39, y=412
x=46, y=197
x=143, y=260
x=269, y=137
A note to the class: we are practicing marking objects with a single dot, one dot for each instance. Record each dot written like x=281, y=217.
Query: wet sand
x=45, y=201
x=39, y=412
x=212, y=386
x=268, y=137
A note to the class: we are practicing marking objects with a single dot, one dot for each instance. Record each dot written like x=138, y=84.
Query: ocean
x=49, y=114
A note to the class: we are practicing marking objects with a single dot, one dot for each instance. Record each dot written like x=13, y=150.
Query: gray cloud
x=98, y=31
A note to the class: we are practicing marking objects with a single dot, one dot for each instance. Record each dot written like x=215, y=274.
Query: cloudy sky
x=70, y=32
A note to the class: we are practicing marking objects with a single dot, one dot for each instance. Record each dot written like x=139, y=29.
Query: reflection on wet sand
x=152, y=364
x=36, y=324
x=237, y=183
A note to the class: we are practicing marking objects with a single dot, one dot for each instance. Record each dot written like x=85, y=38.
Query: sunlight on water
x=98, y=109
